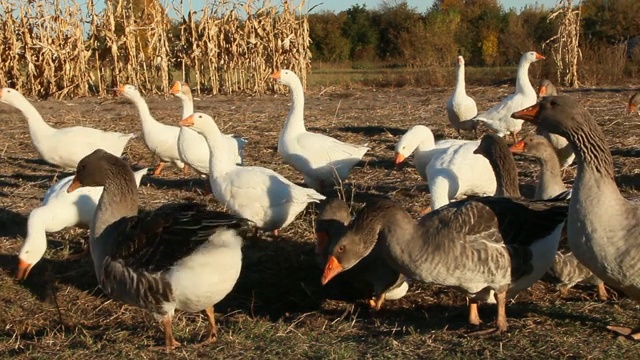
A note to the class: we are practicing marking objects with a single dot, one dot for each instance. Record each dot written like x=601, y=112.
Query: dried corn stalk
x=564, y=45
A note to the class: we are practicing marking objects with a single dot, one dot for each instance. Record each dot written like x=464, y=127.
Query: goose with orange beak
x=603, y=227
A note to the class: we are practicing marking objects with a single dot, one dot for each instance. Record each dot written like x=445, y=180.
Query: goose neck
x=37, y=126
x=295, y=119
x=187, y=106
x=145, y=114
x=506, y=172
x=523, y=84
x=220, y=161
x=460, y=83
x=550, y=181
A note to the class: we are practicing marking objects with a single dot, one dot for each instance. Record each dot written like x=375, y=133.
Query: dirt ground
x=278, y=308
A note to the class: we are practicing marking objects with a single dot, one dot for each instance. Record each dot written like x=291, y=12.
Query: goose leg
x=169, y=342
x=515, y=137
x=602, y=292
x=474, y=317
x=501, y=319
x=159, y=168
x=213, y=330
x=185, y=170
x=376, y=302
x=632, y=334
x=564, y=291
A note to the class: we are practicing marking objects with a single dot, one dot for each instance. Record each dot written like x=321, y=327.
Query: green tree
x=359, y=29
x=325, y=31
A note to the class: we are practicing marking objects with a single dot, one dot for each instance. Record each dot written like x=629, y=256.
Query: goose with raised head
x=179, y=256
x=192, y=147
x=603, y=226
x=373, y=275
x=256, y=193
x=461, y=108
x=420, y=142
x=498, y=118
x=322, y=160
x=550, y=182
x=59, y=210
x=161, y=139
x=477, y=245
x=51, y=143
x=566, y=271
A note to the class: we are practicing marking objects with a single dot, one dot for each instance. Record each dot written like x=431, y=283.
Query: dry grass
x=278, y=308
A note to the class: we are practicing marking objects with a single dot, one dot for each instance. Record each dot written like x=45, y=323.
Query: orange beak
x=631, y=109
x=321, y=244
x=399, y=159
x=518, y=147
x=188, y=121
x=529, y=114
x=175, y=89
x=120, y=89
x=332, y=269
x=542, y=91
x=75, y=184
x=23, y=269
x=539, y=57
x=276, y=75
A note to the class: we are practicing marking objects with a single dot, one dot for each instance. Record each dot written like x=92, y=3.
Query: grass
x=278, y=309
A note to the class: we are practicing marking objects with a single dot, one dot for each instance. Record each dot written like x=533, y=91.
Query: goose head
x=531, y=57
x=460, y=61
x=128, y=91
x=181, y=90
x=555, y=114
x=11, y=96
x=547, y=88
x=331, y=224
x=199, y=122
x=410, y=141
x=533, y=145
x=95, y=168
x=33, y=249
x=286, y=77
x=634, y=101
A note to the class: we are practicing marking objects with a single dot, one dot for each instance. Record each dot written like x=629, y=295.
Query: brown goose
x=179, y=256
x=476, y=245
x=373, y=275
x=566, y=270
x=603, y=226
x=550, y=182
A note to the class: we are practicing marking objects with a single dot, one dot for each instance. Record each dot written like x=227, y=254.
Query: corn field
x=65, y=49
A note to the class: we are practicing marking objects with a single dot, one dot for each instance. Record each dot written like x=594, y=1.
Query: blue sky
x=421, y=5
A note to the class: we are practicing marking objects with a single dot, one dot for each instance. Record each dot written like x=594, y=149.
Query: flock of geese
x=479, y=234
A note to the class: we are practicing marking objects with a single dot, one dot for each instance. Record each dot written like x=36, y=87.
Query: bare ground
x=278, y=308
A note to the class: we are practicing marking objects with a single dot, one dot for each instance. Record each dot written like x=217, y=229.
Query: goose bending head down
x=256, y=193
x=377, y=279
x=603, y=226
x=179, y=256
x=498, y=118
x=477, y=245
x=322, y=160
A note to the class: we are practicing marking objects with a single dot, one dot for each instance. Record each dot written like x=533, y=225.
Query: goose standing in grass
x=546, y=88
x=322, y=160
x=179, y=256
x=192, y=147
x=566, y=271
x=498, y=118
x=477, y=245
x=256, y=193
x=59, y=210
x=603, y=226
x=461, y=108
x=373, y=274
x=53, y=144
x=634, y=101
x=420, y=142
x=160, y=138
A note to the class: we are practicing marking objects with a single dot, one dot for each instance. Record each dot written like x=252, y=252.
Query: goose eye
x=341, y=249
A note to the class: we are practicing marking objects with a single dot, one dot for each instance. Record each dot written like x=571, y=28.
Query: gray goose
x=566, y=270
x=179, y=256
x=477, y=245
x=560, y=145
x=603, y=227
x=373, y=275
x=546, y=88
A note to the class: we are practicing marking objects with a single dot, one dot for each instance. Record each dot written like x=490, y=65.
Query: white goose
x=192, y=147
x=322, y=160
x=52, y=143
x=498, y=118
x=458, y=171
x=179, y=256
x=256, y=193
x=461, y=108
x=419, y=141
x=59, y=210
x=160, y=138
